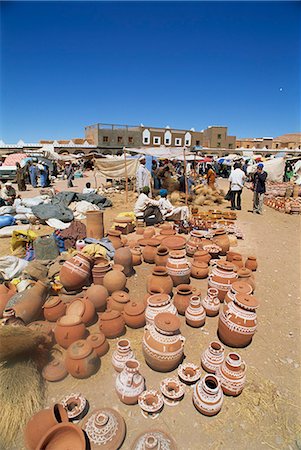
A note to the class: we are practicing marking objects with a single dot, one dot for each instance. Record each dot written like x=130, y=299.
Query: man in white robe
x=168, y=211
x=143, y=176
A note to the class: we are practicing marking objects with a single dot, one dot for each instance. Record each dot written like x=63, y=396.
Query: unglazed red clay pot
x=213, y=357
x=208, y=395
x=231, y=254
x=221, y=239
x=161, y=256
x=199, y=269
x=130, y=383
x=238, y=287
x=99, y=270
x=122, y=354
x=182, y=298
x=98, y=296
x=114, y=280
x=114, y=237
x=99, y=343
x=202, y=255
x=118, y=300
x=7, y=290
x=30, y=307
x=83, y=308
x=160, y=279
x=195, y=314
x=134, y=314
x=232, y=374
x=63, y=436
x=247, y=276
x=69, y=329
x=237, y=260
x=76, y=272
x=150, y=250
x=81, y=360
x=123, y=256
x=111, y=324
x=221, y=278
x=178, y=267
x=54, y=308
x=157, y=304
x=251, y=263
x=136, y=256
x=149, y=232
x=211, y=302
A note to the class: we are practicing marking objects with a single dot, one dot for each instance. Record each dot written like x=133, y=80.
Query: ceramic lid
x=246, y=301
x=96, y=339
x=167, y=322
x=120, y=297
x=244, y=272
x=76, y=308
x=220, y=232
x=69, y=320
x=200, y=264
x=53, y=301
x=153, y=242
x=134, y=308
x=114, y=233
x=225, y=265
x=174, y=242
x=79, y=349
x=54, y=371
x=109, y=314
x=241, y=287
x=201, y=253
x=177, y=254
x=158, y=300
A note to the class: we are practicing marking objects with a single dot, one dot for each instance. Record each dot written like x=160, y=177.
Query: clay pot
x=130, y=383
x=69, y=329
x=182, y=298
x=157, y=304
x=149, y=232
x=105, y=429
x=238, y=321
x=154, y=440
x=41, y=422
x=149, y=250
x=178, y=267
x=122, y=354
x=83, y=308
x=98, y=296
x=194, y=242
x=208, y=395
x=114, y=280
x=246, y=276
x=199, y=270
x=111, y=323
x=161, y=256
x=237, y=260
x=251, y=263
x=118, y=300
x=99, y=270
x=174, y=242
x=54, y=308
x=195, y=314
x=189, y=373
x=94, y=224
x=221, y=278
x=75, y=272
x=173, y=390
x=160, y=279
x=123, y=256
x=202, y=256
x=163, y=345
x=54, y=371
x=7, y=290
x=232, y=374
x=30, y=307
x=134, y=314
x=114, y=237
x=221, y=239
x=151, y=403
x=81, y=360
x=76, y=405
x=63, y=436
x=136, y=256
x=99, y=343
x=213, y=357
x=230, y=255
x=168, y=232
x=238, y=287
x=211, y=302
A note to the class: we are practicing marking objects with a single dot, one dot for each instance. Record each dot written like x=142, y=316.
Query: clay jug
x=202, y=256
x=114, y=237
x=123, y=256
x=75, y=272
x=114, y=280
x=122, y=354
x=211, y=302
x=247, y=276
x=238, y=287
x=161, y=256
x=178, y=267
x=251, y=263
x=213, y=357
x=134, y=314
x=208, y=395
x=105, y=429
x=99, y=343
x=83, y=308
x=232, y=374
x=221, y=239
x=63, y=436
x=182, y=298
x=7, y=290
x=98, y=296
x=41, y=422
x=157, y=304
x=33, y=299
x=136, y=256
x=111, y=323
x=99, y=270
x=118, y=300
x=130, y=383
x=81, y=360
x=69, y=329
x=94, y=224
x=195, y=314
x=160, y=279
x=199, y=269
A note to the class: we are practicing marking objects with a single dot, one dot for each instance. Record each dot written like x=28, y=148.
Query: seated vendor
x=8, y=193
x=147, y=208
x=88, y=189
x=169, y=212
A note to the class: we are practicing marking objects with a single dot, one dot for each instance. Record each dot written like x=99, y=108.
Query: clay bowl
x=64, y=436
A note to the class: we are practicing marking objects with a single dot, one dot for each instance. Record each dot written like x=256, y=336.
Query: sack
x=228, y=196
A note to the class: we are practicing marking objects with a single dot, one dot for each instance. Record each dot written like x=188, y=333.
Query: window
x=131, y=140
x=167, y=141
x=178, y=141
x=197, y=142
x=219, y=136
x=146, y=140
x=187, y=142
x=230, y=146
x=299, y=146
x=105, y=139
x=248, y=146
x=218, y=144
x=267, y=146
x=157, y=140
x=119, y=139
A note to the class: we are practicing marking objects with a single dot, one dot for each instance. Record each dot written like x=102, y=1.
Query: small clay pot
x=237, y=260
x=118, y=300
x=111, y=324
x=202, y=255
x=123, y=256
x=159, y=279
x=161, y=256
x=54, y=308
x=114, y=280
x=115, y=237
x=136, y=256
x=63, y=436
x=69, y=329
x=182, y=298
x=251, y=263
x=199, y=269
x=54, y=371
x=134, y=314
x=83, y=308
x=99, y=343
x=98, y=296
x=81, y=360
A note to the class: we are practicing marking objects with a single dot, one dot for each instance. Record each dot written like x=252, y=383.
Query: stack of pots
x=178, y=267
x=238, y=287
x=221, y=278
x=99, y=271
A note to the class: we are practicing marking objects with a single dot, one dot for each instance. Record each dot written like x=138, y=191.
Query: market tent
x=163, y=153
x=116, y=168
x=274, y=168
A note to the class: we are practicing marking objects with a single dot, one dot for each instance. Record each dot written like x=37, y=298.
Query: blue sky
x=65, y=65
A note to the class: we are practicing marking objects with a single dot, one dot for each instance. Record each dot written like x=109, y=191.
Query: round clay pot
x=54, y=308
x=111, y=324
x=69, y=329
x=98, y=296
x=182, y=298
x=199, y=269
x=136, y=256
x=157, y=304
x=75, y=272
x=221, y=239
x=208, y=395
x=115, y=280
x=83, y=308
x=54, y=371
x=123, y=256
x=161, y=256
x=99, y=343
x=149, y=232
x=118, y=300
x=251, y=263
x=160, y=279
x=105, y=429
x=178, y=267
x=202, y=256
x=81, y=360
x=195, y=314
x=134, y=314
x=232, y=374
x=62, y=437
x=247, y=276
x=231, y=254
x=115, y=237
x=149, y=251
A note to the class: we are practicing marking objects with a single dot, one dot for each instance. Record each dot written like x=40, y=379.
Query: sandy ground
x=267, y=413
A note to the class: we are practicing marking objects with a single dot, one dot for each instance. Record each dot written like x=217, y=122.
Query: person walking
x=20, y=177
x=211, y=176
x=237, y=179
x=143, y=176
x=33, y=174
x=69, y=172
x=259, y=188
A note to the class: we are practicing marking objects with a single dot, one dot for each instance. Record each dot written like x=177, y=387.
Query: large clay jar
x=221, y=278
x=154, y=439
x=211, y=302
x=83, y=308
x=247, y=276
x=54, y=308
x=123, y=256
x=99, y=270
x=75, y=272
x=232, y=374
x=178, y=267
x=30, y=307
x=221, y=239
x=194, y=242
x=208, y=395
x=41, y=422
x=134, y=314
x=163, y=345
x=150, y=250
x=99, y=343
x=114, y=237
x=238, y=321
x=136, y=256
x=130, y=383
x=118, y=300
x=7, y=290
x=182, y=298
x=238, y=287
x=195, y=314
x=251, y=263
x=202, y=255
x=105, y=429
x=63, y=436
x=213, y=357
x=122, y=354
x=98, y=296
x=111, y=323
x=161, y=256
x=81, y=360
x=114, y=280
x=199, y=269
x=69, y=329
x=94, y=224
x=158, y=303
x=159, y=279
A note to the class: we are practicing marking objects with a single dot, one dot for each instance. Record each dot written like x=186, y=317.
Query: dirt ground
x=267, y=414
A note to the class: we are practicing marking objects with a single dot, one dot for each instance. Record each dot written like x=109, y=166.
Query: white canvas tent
x=274, y=168
x=163, y=153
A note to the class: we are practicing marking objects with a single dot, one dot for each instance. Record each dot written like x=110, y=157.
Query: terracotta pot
x=160, y=279
x=149, y=232
x=76, y=272
x=208, y=395
x=194, y=242
x=221, y=278
x=168, y=232
x=99, y=270
x=111, y=323
x=163, y=345
x=173, y=390
x=134, y=314
x=94, y=224
x=211, y=302
x=118, y=300
x=99, y=343
x=83, y=308
x=157, y=304
x=41, y=422
x=30, y=307
x=202, y=256
x=69, y=329
x=189, y=373
x=136, y=256
x=174, y=242
x=237, y=260
x=232, y=374
x=98, y=296
x=199, y=270
x=161, y=256
x=213, y=357
x=54, y=308
x=195, y=314
x=76, y=405
x=251, y=263
x=221, y=239
x=54, y=371
x=238, y=321
x=105, y=429
x=122, y=354
x=115, y=280
x=154, y=440
x=231, y=254
x=81, y=360
x=114, y=237
x=123, y=256
x=246, y=275
x=130, y=383
x=151, y=403
x=7, y=290
x=238, y=287
x=63, y=436
x=178, y=267
x=150, y=250
x=182, y=298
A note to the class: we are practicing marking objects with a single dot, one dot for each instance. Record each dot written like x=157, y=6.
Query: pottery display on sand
x=114, y=280
x=134, y=314
x=69, y=329
x=173, y=390
x=81, y=360
x=76, y=406
x=213, y=357
x=111, y=324
x=123, y=256
x=114, y=237
x=238, y=287
x=98, y=295
x=76, y=272
x=195, y=314
x=151, y=403
x=118, y=300
x=182, y=297
x=251, y=263
x=130, y=383
x=189, y=373
x=83, y=308
x=99, y=343
x=161, y=256
x=55, y=370
x=30, y=306
x=63, y=436
x=211, y=302
x=94, y=224
x=156, y=304
x=154, y=439
x=122, y=354
x=208, y=395
x=232, y=374
x=178, y=267
x=105, y=429
x=199, y=269
x=54, y=308
x=7, y=290
x=159, y=279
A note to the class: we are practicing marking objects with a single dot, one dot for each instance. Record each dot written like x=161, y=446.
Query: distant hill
x=290, y=137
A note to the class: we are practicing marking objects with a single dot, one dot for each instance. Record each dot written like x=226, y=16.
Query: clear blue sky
x=69, y=64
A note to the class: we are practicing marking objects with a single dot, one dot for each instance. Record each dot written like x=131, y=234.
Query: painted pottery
x=173, y=390
x=161, y=256
x=94, y=224
x=83, y=308
x=182, y=297
x=211, y=302
x=54, y=308
x=163, y=345
x=63, y=436
x=136, y=256
x=160, y=279
x=114, y=237
x=202, y=255
x=157, y=304
x=208, y=395
x=195, y=314
x=251, y=263
x=75, y=272
x=221, y=277
x=111, y=323
x=7, y=290
x=30, y=307
x=134, y=314
x=76, y=406
x=238, y=287
x=54, y=371
x=178, y=267
x=232, y=374
x=199, y=269
x=213, y=357
x=81, y=360
x=99, y=343
x=154, y=439
x=99, y=270
x=221, y=239
x=118, y=300
x=122, y=354
x=151, y=403
x=189, y=373
x=213, y=249
x=130, y=383
x=114, y=280
x=105, y=429
x=69, y=329
x=123, y=256
x=247, y=276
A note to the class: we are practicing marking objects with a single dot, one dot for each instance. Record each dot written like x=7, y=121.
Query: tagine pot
x=161, y=256
x=115, y=237
x=54, y=308
x=33, y=299
x=99, y=343
x=111, y=324
x=69, y=329
x=81, y=360
x=213, y=357
x=178, y=267
x=199, y=269
x=208, y=395
x=123, y=256
x=114, y=280
x=83, y=308
x=160, y=279
x=118, y=300
x=130, y=383
x=232, y=374
x=134, y=314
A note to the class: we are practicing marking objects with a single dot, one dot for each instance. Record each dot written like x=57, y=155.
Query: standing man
x=259, y=188
x=69, y=172
x=211, y=176
x=237, y=179
x=143, y=176
x=33, y=174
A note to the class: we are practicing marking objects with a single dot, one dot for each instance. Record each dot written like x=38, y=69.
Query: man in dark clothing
x=259, y=189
